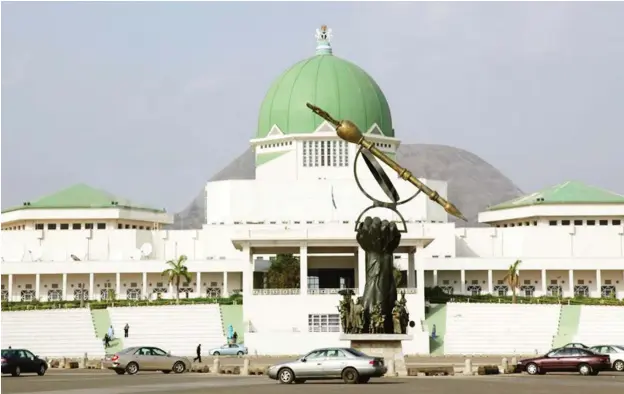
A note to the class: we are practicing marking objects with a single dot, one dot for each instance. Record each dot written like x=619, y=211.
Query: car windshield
x=619, y=348
x=127, y=350
x=356, y=352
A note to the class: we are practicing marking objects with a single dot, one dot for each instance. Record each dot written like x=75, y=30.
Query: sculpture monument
x=378, y=311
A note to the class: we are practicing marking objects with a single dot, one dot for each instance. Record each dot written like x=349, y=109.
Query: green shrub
x=236, y=299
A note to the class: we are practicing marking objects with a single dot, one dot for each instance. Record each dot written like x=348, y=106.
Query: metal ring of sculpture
x=384, y=182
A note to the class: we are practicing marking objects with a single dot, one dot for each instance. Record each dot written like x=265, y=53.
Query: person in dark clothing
x=106, y=341
x=235, y=337
x=126, y=329
x=198, y=358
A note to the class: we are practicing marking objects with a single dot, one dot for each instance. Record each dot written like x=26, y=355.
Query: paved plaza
x=106, y=382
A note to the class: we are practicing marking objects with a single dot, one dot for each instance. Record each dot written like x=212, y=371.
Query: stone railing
x=276, y=292
x=329, y=291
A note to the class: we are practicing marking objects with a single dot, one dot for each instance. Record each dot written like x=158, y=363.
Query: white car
x=615, y=353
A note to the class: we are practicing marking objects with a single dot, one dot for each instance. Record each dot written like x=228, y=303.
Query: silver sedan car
x=145, y=358
x=615, y=353
x=347, y=364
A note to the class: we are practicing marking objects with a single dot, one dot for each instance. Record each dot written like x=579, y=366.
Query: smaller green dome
x=340, y=87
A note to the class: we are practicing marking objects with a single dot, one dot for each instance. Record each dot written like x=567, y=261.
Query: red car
x=568, y=359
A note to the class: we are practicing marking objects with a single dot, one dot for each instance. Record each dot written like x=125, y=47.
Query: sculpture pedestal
x=388, y=346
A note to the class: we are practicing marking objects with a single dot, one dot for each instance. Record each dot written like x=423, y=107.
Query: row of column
x=544, y=280
x=303, y=264
x=91, y=289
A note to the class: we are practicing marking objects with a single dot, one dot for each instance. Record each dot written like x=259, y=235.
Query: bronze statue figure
x=396, y=318
x=379, y=239
x=357, y=317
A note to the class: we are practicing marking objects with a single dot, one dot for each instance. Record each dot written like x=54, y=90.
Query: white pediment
x=374, y=130
x=275, y=132
x=325, y=127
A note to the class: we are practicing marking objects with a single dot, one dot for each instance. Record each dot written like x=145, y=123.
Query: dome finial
x=323, y=41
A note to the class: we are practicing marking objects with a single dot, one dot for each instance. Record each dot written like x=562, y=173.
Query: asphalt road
x=104, y=382
x=410, y=360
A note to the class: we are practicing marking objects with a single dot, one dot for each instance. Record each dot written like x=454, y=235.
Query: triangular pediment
x=275, y=132
x=375, y=130
x=325, y=127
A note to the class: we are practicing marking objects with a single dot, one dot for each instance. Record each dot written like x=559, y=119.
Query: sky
x=149, y=100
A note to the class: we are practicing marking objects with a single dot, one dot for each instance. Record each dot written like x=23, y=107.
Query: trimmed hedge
x=36, y=305
x=436, y=295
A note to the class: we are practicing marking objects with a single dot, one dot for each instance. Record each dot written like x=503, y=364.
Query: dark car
x=18, y=361
x=576, y=345
x=568, y=359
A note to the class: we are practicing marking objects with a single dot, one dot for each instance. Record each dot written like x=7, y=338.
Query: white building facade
x=85, y=243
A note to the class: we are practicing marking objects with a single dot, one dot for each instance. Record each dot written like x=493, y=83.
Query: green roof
x=570, y=192
x=339, y=87
x=81, y=196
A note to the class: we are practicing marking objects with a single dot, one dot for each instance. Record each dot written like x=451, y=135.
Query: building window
x=325, y=154
x=76, y=226
x=603, y=222
x=101, y=226
x=565, y=222
x=552, y=222
x=535, y=222
x=88, y=226
x=313, y=282
x=39, y=226
x=581, y=291
x=119, y=226
x=591, y=222
x=127, y=226
x=64, y=226
x=616, y=222
x=578, y=222
x=51, y=226
x=324, y=323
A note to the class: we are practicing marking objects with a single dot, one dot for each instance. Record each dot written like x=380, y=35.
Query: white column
x=118, y=285
x=598, y=283
x=37, y=286
x=462, y=275
x=490, y=282
x=91, y=286
x=198, y=285
x=303, y=267
x=571, y=283
x=248, y=272
x=64, y=287
x=144, y=287
x=10, y=285
x=225, y=291
x=411, y=269
x=435, y=278
x=361, y=256
x=544, y=285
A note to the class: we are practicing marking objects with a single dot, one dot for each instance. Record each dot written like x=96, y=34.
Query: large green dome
x=336, y=85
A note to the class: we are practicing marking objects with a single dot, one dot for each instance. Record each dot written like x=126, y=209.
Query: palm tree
x=513, y=279
x=176, y=272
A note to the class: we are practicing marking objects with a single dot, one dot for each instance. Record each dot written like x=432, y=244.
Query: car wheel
x=532, y=369
x=120, y=371
x=132, y=368
x=42, y=370
x=300, y=381
x=179, y=367
x=17, y=371
x=364, y=379
x=286, y=376
x=350, y=376
x=240, y=353
x=584, y=369
x=216, y=354
x=619, y=366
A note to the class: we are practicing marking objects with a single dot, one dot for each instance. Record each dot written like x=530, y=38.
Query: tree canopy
x=283, y=272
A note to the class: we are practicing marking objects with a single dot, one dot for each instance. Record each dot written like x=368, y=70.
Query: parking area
x=103, y=382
